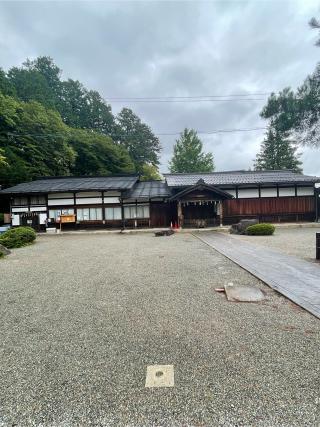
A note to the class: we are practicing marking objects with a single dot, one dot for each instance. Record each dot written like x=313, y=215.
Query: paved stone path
x=297, y=279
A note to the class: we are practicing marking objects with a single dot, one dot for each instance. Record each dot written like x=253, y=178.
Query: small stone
x=4, y=250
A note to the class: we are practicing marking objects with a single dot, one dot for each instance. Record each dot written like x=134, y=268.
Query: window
x=20, y=201
x=55, y=213
x=136, y=211
x=89, y=214
x=113, y=214
x=38, y=200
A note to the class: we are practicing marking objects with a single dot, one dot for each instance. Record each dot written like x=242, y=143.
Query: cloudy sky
x=166, y=49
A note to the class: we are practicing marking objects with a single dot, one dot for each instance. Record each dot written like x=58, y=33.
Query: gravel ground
x=300, y=242
x=83, y=316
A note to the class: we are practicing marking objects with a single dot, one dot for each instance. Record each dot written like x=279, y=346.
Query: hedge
x=262, y=229
x=17, y=237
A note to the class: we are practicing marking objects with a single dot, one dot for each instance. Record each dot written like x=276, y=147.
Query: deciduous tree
x=188, y=154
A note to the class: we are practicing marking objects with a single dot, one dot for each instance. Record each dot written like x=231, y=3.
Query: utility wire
x=212, y=132
x=123, y=98
x=132, y=101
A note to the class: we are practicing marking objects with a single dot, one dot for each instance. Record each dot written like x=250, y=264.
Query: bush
x=17, y=237
x=260, y=230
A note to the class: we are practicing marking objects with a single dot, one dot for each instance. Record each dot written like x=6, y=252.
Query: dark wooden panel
x=269, y=206
x=161, y=214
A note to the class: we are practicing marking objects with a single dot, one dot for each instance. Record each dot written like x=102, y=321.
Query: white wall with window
x=113, y=213
x=55, y=213
x=136, y=211
x=88, y=198
x=89, y=214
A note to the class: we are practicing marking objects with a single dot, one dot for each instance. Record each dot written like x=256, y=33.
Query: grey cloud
x=174, y=48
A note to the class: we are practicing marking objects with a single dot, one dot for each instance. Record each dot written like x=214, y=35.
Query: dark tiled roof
x=64, y=184
x=148, y=190
x=238, y=177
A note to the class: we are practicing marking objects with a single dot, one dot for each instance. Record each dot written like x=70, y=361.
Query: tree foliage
x=298, y=112
x=188, y=155
x=34, y=141
x=98, y=155
x=278, y=152
x=142, y=145
x=50, y=126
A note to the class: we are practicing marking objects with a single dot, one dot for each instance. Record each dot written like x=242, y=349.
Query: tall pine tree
x=188, y=155
x=277, y=152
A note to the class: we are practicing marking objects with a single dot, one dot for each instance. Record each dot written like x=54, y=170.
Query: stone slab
x=240, y=293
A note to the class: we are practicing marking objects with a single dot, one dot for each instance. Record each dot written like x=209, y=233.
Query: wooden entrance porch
x=200, y=206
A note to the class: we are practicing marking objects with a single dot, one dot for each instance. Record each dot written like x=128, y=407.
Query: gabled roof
x=201, y=186
x=65, y=184
x=239, y=177
x=148, y=190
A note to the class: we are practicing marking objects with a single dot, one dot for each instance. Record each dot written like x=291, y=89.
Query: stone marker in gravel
x=160, y=376
x=240, y=293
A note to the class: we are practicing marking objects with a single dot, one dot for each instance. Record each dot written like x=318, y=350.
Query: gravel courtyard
x=299, y=242
x=82, y=316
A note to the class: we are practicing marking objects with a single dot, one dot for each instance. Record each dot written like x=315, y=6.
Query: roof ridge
x=233, y=172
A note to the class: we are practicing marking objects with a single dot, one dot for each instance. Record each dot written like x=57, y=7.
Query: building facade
x=186, y=200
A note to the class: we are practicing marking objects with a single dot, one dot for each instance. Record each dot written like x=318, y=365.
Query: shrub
x=260, y=229
x=17, y=237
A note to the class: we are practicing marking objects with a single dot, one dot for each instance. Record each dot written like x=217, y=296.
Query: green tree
x=188, y=155
x=5, y=85
x=48, y=69
x=97, y=154
x=277, y=152
x=2, y=159
x=149, y=172
x=142, y=145
x=40, y=80
x=34, y=141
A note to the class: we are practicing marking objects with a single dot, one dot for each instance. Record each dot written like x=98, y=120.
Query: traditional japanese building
x=190, y=200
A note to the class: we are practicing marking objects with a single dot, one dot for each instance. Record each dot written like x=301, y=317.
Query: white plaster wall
x=248, y=193
x=39, y=209
x=19, y=209
x=88, y=200
x=287, y=191
x=268, y=192
x=305, y=191
x=108, y=200
x=57, y=202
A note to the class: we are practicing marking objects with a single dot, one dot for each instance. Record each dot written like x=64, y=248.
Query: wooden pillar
x=122, y=214
x=221, y=213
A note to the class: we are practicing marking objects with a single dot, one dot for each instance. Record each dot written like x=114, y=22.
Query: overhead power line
x=212, y=132
x=136, y=98
x=171, y=101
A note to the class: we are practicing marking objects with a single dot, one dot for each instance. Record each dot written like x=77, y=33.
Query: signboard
x=67, y=218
